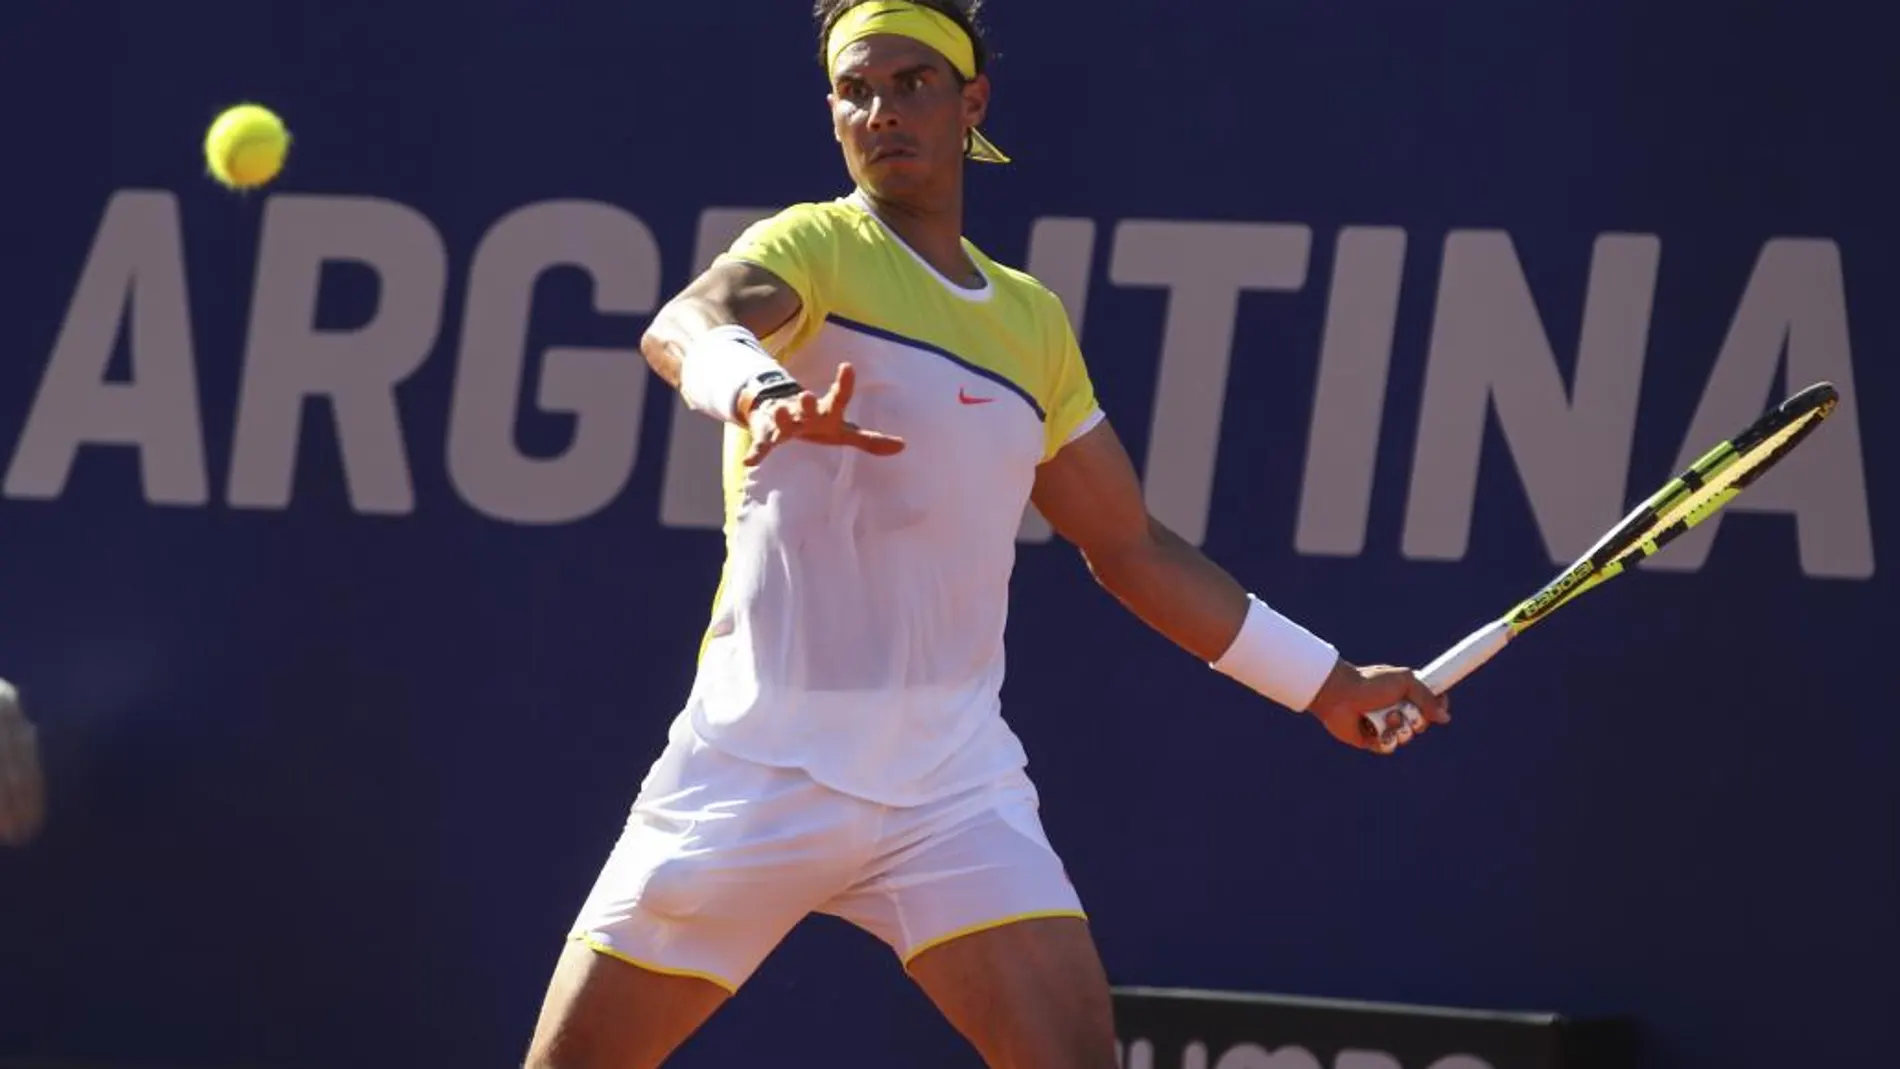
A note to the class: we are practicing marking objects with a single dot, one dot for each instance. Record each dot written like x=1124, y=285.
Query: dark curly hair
x=964, y=13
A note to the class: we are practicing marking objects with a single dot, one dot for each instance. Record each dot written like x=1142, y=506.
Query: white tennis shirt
x=858, y=629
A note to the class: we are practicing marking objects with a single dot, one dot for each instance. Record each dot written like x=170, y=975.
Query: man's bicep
x=1090, y=494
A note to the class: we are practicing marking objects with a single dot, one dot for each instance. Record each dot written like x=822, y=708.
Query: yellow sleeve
x=799, y=246
x=1073, y=409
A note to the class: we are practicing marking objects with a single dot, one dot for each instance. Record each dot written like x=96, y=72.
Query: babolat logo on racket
x=1550, y=595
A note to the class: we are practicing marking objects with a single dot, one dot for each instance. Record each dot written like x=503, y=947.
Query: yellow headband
x=921, y=24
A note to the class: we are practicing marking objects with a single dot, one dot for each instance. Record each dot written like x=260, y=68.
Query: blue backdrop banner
x=355, y=563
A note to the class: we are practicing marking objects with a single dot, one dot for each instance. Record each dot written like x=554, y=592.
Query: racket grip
x=1395, y=725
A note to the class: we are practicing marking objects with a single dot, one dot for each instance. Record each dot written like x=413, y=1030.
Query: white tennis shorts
x=721, y=857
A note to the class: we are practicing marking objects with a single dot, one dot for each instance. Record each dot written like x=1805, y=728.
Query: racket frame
x=1636, y=536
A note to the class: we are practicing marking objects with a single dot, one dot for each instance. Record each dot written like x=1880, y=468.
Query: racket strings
x=1716, y=478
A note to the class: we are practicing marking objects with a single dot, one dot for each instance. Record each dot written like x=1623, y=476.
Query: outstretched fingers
x=874, y=442
x=844, y=386
x=819, y=420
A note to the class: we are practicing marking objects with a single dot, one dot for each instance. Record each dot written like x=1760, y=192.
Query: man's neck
x=934, y=232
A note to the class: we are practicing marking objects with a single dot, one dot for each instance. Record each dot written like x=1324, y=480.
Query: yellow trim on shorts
x=599, y=947
x=984, y=926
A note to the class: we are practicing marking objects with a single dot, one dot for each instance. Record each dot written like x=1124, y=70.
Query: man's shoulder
x=1023, y=286
x=809, y=219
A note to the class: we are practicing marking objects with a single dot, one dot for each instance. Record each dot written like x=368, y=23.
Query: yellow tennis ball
x=246, y=146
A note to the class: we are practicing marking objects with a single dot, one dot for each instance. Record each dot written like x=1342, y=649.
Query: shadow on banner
x=1172, y=1028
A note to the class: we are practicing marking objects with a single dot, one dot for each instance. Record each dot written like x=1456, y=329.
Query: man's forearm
x=1090, y=494
x=1175, y=589
x=1178, y=591
x=672, y=330
x=705, y=342
x=726, y=295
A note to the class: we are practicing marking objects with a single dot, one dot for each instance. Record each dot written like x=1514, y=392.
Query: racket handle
x=1396, y=724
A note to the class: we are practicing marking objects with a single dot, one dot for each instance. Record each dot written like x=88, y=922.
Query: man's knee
x=1080, y=1037
x=1067, y=1046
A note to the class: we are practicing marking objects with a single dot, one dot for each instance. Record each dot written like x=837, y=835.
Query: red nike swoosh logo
x=968, y=400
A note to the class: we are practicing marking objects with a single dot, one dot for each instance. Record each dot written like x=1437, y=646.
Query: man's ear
x=976, y=100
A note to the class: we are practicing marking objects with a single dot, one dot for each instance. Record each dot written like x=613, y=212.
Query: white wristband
x=1277, y=657
x=719, y=365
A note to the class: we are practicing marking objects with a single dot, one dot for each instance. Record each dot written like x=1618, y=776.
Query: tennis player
x=894, y=400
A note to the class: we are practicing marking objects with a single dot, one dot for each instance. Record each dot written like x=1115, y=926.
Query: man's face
x=900, y=114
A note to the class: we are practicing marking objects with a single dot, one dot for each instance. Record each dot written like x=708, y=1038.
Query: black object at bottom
x=1168, y=1028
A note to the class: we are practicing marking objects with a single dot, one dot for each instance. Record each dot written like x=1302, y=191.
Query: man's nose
x=883, y=114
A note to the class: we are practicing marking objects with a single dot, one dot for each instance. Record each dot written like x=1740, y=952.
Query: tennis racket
x=1686, y=500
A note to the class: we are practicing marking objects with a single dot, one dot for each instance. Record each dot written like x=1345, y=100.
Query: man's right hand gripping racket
x=1686, y=500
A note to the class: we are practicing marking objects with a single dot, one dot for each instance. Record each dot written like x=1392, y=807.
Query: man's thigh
x=1030, y=994
x=604, y=1013
x=975, y=902
x=719, y=859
